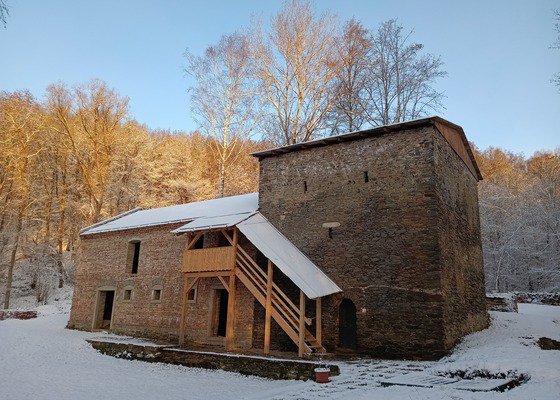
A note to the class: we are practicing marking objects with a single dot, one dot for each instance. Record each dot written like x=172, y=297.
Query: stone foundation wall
x=17, y=314
x=266, y=367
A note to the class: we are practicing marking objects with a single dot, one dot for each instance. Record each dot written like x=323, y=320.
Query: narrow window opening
x=330, y=233
x=366, y=177
x=156, y=295
x=305, y=186
x=191, y=296
x=133, y=256
x=127, y=296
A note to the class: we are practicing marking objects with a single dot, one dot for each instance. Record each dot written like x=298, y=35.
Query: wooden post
x=301, y=341
x=183, y=318
x=268, y=309
x=231, y=299
x=319, y=328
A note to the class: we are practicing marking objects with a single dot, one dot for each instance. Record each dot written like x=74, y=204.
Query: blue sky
x=496, y=53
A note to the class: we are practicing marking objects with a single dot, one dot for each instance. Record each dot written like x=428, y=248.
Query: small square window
x=127, y=295
x=156, y=295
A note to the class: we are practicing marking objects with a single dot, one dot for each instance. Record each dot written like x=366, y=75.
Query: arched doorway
x=347, y=326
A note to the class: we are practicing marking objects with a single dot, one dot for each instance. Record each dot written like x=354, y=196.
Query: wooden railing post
x=301, y=341
x=319, y=328
x=268, y=308
x=230, y=332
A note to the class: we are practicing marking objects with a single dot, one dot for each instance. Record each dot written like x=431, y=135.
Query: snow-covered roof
x=246, y=203
x=217, y=222
x=287, y=257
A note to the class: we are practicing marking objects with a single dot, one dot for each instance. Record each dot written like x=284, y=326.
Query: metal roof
x=287, y=257
x=210, y=223
x=139, y=218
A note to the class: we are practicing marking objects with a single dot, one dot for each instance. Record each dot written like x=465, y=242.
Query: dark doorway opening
x=220, y=312
x=347, y=325
x=105, y=302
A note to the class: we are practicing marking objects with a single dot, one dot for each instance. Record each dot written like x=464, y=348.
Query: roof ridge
x=106, y=221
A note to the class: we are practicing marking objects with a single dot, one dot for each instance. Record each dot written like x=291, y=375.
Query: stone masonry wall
x=460, y=245
x=102, y=262
x=384, y=255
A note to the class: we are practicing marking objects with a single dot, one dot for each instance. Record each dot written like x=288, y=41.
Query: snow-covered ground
x=40, y=359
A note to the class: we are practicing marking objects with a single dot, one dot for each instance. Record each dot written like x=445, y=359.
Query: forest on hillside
x=76, y=155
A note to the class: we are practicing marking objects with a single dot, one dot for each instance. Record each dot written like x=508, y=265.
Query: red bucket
x=322, y=375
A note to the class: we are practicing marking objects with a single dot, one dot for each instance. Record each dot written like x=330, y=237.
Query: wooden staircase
x=283, y=311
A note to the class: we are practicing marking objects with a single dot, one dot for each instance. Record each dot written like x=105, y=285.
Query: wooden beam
x=184, y=305
x=268, y=308
x=191, y=284
x=221, y=278
x=184, y=302
x=193, y=241
x=228, y=237
x=319, y=328
x=301, y=331
x=230, y=332
x=208, y=274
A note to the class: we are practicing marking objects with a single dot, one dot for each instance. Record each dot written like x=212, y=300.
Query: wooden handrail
x=283, y=310
x=290, y=315
x=275, y=287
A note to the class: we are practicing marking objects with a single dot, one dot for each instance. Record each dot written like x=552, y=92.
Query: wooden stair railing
x=284, y=311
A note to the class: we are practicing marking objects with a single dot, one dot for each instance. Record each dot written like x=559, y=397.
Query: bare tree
x=297, y=65
x=353, y=52
x=91, y=121
x=401, y=83
x=556, y=44
x=520, y=220
x=224, y=99
x=22, y=122
x=4, y=12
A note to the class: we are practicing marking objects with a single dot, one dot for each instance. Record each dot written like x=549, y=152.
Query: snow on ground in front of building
x=40, y=359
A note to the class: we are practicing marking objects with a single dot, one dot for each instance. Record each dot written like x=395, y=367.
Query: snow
x=43, y=360
x=220, y=221
x=537, y=309
x=287, y=257
x=185, y=212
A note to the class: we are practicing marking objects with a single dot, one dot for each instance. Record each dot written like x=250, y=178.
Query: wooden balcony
x=209, y=260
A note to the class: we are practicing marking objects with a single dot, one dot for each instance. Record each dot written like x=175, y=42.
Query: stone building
x=365, y=242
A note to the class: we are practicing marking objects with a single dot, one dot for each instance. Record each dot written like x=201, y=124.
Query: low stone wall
x=499, y=303
x=265, y=367
x=13, y=314
x=550, y=299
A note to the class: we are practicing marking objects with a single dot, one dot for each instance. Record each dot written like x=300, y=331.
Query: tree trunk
x=11, y=266
x=60, y=266
x=222, y=185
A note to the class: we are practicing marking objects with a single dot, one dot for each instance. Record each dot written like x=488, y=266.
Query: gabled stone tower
x=391, y=215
